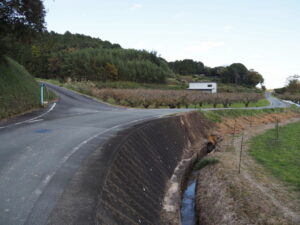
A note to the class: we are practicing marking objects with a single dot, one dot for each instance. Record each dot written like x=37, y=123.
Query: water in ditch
x=188, y=204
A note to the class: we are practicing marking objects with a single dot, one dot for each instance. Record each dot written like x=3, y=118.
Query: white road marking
x=38, y=191
x=34, y=119
x=290, y=102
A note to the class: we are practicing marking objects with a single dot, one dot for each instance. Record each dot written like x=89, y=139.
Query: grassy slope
x=19, y=92
x=281, y=157
x=216, y=116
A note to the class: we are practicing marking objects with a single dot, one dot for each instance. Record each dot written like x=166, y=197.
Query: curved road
x=40, y=152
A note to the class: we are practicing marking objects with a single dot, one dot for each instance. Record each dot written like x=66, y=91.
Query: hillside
x=80, y=58
x=77, y=57
x=19, y=92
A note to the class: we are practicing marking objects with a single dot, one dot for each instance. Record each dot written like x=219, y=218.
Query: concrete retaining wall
x=141, y=161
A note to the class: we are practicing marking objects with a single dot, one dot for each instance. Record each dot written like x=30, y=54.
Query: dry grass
x=252, y=197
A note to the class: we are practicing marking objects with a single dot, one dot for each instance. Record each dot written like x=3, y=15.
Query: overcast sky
x=262, y=34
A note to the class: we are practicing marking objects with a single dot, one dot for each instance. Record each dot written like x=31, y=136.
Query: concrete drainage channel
x=149, y=164
x=179, y=200
x=188, y=204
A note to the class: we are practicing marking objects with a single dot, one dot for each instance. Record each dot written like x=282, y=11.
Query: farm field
x=156, y=97
x=281, y=157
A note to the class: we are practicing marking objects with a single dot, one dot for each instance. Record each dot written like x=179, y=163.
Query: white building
x=209, y=87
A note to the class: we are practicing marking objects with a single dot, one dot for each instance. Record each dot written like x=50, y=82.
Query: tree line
x=236, y=73
x=292, y=86
x=291, y=91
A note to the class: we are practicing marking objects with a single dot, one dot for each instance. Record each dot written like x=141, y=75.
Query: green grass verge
x=205, y=162
x=282, y=157
x=259, y=103
x=19, y=92
x=217, y=115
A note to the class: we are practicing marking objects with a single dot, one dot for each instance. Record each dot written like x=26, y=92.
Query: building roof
x=203, y=82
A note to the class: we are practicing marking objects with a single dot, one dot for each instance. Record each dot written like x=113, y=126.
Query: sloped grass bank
x=218, y=115
x=19, y=92
x=281, y=157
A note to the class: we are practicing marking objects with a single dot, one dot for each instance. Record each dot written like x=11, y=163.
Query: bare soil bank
x=252, y=197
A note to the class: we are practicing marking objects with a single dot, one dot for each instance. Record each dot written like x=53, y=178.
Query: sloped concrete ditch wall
x=141, y=161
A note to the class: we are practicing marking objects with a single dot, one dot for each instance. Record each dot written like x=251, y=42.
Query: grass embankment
x=19, y=92
x=141, y=96
x=218, y=115
x=282, y=156
x=260, y=103
x=205, y=162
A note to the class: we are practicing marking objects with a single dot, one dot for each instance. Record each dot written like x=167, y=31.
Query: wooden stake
x=241, y=152
x=233, y=133
x=276, y=129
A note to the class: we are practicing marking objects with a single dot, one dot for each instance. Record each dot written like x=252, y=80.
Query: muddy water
x=188, y=205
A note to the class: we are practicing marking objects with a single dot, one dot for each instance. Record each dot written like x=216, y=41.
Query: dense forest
x=79, y=57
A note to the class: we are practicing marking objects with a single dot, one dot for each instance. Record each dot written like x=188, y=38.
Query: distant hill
x=19, y=92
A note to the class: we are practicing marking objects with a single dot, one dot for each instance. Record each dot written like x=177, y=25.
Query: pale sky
x=262, y=34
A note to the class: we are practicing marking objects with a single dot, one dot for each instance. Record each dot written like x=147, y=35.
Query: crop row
x=174, y=99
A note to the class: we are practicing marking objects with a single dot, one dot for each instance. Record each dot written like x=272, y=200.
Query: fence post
x=241, y=152
x=233, y=133
x=277, y=129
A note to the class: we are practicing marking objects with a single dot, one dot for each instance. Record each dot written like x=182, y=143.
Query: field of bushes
x=131, y=94
x=174, y=98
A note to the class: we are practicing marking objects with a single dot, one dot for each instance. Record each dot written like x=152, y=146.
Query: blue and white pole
x=42, y=93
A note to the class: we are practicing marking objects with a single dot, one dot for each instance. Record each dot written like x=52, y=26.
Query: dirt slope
x=252, y=197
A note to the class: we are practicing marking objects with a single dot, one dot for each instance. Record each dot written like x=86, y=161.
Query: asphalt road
x=40, y=152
